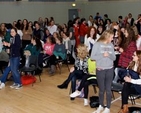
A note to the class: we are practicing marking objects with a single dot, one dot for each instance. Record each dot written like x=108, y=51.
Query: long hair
x=132, y=63
x=89, y=30
x=127, y=40
x=38, y=43
x=105, y=35
x=22, y=26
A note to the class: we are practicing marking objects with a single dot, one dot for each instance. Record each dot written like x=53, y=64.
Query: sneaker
x=86, y=102
x=99, y=109
x=2, y=85
x=75, y=94
x=14, y=85
x=106, y=110
x=19, y=86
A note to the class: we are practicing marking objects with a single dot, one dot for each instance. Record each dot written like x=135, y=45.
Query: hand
x=121, y=50
x=106, y=54
x=4, y=43
x=116, y=48
x=44, y=52
x=127, y=79
x=71, y=69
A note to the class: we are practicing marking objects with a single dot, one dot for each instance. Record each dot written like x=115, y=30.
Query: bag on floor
x=94, y=101
x=28, y=79
x=134, y=110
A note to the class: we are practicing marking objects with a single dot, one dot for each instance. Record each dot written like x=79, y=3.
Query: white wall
x=11, y=11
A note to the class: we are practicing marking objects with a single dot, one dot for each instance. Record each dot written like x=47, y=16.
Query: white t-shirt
x=52, y=29
x=20, y=33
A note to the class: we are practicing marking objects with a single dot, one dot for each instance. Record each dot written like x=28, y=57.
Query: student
x=103, y=53
x=91, y=38
x=127, y=47
x=15, y=45
x=59, y=52
x=79, y=70
x=86, y=81
x=131, y=86
x=48, y=49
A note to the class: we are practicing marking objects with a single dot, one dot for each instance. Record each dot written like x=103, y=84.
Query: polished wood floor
x=45, y=97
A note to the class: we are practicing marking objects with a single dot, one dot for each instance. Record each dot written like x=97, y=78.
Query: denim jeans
x=5, y=74
x=76, y=74
x=14, y=64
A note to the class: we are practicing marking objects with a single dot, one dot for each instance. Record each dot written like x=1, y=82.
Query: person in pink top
x=48, y=49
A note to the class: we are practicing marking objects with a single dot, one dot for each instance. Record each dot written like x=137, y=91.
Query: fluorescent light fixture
x=73, y=4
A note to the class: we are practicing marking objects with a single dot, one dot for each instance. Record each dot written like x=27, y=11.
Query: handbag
x=94, y=101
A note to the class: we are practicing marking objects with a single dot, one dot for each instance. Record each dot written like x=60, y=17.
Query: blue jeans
x=76, y=74
x=5, y=74
x=14, y=64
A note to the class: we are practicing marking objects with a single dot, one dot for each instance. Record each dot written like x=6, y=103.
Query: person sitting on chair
x=48, y=49
x=86, y=81
x=59, y=52
x=131, y=86
x=79, y=70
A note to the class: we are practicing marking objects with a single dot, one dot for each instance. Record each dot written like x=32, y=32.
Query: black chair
x=133, y=97
x=116, y=84
x=31, y=66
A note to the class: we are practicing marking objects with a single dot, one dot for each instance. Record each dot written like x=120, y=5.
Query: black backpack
x=94, y=101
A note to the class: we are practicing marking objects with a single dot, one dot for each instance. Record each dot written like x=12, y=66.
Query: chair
x=116, y=85
x=133, y=97
x=31, y=66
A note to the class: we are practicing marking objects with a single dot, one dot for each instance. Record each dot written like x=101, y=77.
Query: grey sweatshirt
x=98, y=54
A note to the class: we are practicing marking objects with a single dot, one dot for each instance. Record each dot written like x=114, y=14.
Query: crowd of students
x=97, y=41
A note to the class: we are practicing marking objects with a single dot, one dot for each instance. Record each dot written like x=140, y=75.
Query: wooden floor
x=45, y=97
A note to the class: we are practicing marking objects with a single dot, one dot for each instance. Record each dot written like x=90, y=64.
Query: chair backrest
x=91, y=67
x=31, y=61
x=116, y=85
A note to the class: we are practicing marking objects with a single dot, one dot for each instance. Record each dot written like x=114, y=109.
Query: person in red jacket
x=83, y=30
x=76, y=31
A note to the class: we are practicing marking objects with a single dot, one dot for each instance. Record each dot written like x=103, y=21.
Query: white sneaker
x=106, y=110
x=99, y=109
x=2, y=85
x=75, y=94
x=86, y=102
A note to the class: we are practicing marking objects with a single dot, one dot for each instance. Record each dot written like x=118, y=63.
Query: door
x=72, y=13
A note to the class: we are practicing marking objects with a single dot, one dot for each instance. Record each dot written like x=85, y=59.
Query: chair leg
x=59, y=67
x=95, y=91
x=132, y=100
x=68, y=67
x=113, y=95
x=39, y=77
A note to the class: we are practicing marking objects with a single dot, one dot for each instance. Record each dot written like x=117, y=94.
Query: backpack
x=94, y=101
x=134, y=109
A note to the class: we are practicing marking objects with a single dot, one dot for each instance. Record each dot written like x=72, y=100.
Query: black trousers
x=126, y=91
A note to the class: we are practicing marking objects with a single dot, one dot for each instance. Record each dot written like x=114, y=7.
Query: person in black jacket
x=15, y=46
